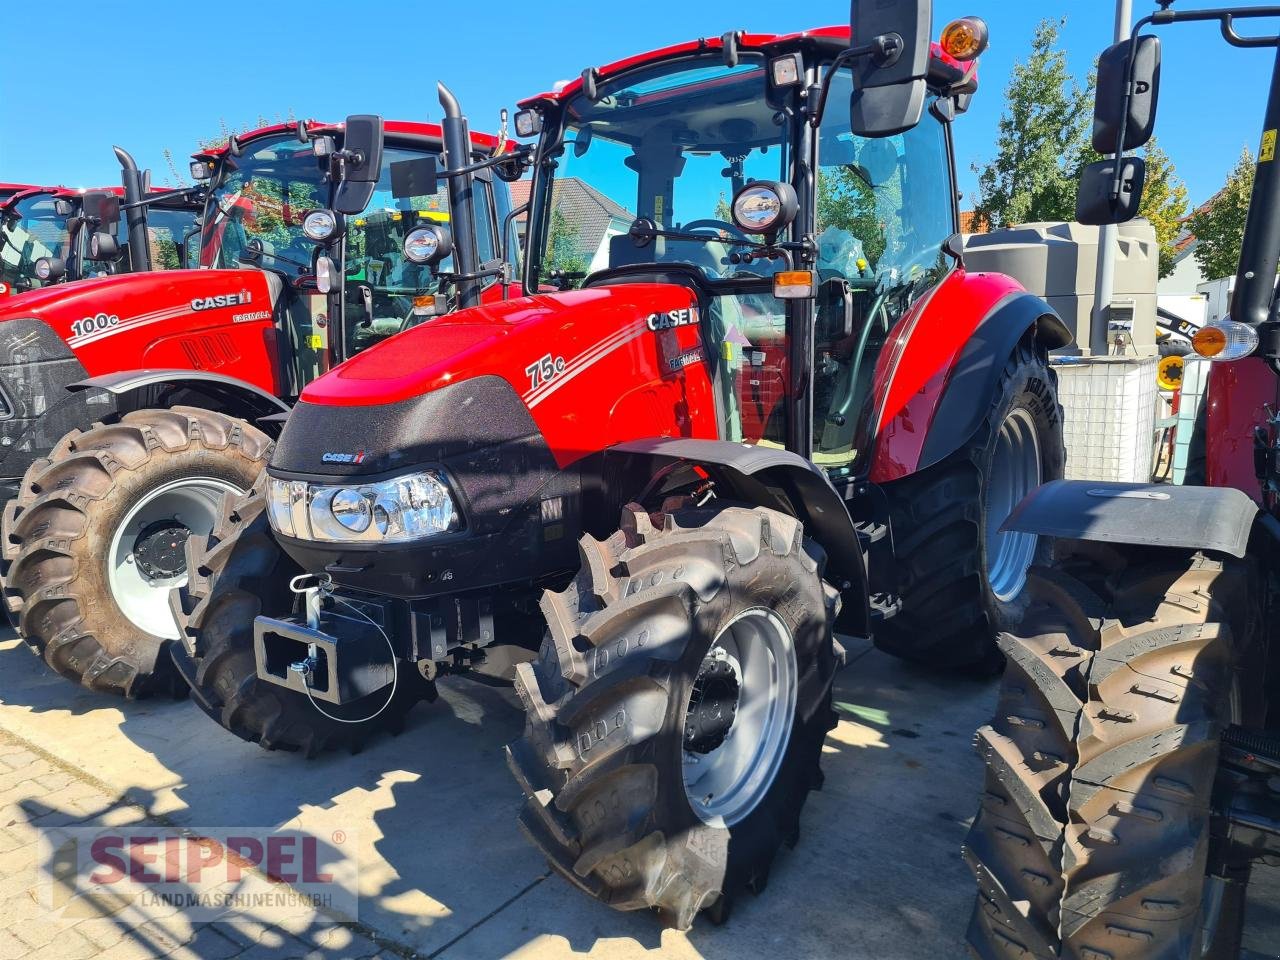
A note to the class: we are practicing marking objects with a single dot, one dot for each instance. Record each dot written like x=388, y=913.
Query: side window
x=884, y=208
x=36, y=230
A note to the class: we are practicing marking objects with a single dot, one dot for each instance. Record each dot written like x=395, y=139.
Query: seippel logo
x=222, y=300
x=357, y=457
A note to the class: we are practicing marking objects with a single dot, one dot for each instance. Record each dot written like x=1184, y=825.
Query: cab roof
x=834, y=39
x=392, y=128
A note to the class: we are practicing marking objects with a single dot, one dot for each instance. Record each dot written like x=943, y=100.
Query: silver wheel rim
x=141, y=594
x=725, y=783
x=1015, y=472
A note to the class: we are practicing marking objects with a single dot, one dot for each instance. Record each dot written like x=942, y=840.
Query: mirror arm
x=885, y=49
x=521, y=153
x=506, y=227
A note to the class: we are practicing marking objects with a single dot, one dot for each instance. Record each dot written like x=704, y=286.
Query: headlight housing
x=766, y=206
x=1225, y=340
x=400, y=510
x=322, y=225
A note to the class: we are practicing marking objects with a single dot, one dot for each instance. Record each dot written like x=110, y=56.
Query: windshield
x=32, y=228
x=263, y=195
x=670, y=144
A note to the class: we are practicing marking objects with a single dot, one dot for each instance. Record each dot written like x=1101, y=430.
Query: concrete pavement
x=443, y=871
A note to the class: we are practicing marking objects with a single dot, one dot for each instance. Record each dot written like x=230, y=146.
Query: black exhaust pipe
x=135, y=213
x=457, y=156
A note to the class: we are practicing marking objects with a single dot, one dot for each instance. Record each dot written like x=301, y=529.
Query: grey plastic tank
x=1058, y=261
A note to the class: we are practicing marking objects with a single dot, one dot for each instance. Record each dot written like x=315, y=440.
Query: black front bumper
x=353, y=653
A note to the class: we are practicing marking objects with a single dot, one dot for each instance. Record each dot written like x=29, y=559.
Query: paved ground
x=443, y=870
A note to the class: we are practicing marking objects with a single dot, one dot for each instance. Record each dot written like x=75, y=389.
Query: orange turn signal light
x=794, y=284
x=965, y=39
x=1209, y=341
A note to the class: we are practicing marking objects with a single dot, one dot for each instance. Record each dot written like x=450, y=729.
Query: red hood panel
x=503, y=339
x=208, y=319
x=594, y=367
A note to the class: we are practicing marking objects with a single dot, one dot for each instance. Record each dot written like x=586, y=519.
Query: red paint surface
x=773, y=42
x=617, y=382
x=912, y=370
x=1238, y=394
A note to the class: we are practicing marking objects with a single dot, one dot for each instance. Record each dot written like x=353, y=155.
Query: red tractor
x=756, y=398
x=1133, y=764
x=134, y=402
x=46, y=232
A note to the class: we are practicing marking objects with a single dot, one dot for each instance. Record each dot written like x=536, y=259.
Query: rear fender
x=140, y=389
x=1218, y=519
x=767, y=477
x=934, y=388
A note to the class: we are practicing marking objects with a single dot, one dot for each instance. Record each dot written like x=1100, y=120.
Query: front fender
x=1219, y=519
x=216, y=390
x=779, y=480
x=934, y=385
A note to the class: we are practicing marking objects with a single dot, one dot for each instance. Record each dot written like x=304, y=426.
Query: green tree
x=1164, y=203
x=847, y=201
x=563, y=247
x=1043, y=130
x=1219, y=225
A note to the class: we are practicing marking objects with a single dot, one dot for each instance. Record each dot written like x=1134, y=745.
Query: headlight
x=400, y=510
x=765, y=207
x=1225, y=340
x=321, y=225
x=428, y=244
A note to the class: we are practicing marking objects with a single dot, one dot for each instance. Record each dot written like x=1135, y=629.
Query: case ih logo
x=357, y=457
x=673, y=318
x=222, y=300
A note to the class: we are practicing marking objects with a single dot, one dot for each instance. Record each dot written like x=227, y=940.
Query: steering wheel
x=713, y=224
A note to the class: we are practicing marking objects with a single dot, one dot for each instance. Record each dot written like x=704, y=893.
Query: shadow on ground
x=444, y=871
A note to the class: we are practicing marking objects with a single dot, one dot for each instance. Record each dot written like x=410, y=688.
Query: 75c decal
x=544, y=371
x=82, y=328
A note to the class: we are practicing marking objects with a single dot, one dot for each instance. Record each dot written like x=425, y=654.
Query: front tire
x=648, y=783
x=238, y=573
x=94, y=541
x=959, y=578
x=1092, y=836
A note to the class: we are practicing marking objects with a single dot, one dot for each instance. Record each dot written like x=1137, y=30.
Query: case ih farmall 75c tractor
x=135, y=401
x=766, y=402
x=1133, y=766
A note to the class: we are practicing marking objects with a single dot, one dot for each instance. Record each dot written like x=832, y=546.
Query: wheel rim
x=147, y=557
x=1015, y=472
x=738, y=720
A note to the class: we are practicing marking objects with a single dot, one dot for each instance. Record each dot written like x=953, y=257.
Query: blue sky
x=195, y=66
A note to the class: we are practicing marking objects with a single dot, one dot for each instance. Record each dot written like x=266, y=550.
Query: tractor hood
x=510, y=340
x=577, y=370
x=96, y=317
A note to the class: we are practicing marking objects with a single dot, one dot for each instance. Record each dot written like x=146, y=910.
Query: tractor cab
x=806, y=243
x=47, y=235
x=340, y=278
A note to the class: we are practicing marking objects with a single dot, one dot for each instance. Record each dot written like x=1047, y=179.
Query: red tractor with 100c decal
x=137, y=400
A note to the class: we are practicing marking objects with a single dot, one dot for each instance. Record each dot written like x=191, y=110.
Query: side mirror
x=360, y=163
x=889, y=85
x=1111, y=107
x=1094, y=204
x=101, y=208
x=103, y=247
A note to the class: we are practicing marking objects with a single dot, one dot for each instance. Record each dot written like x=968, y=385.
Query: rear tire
x=608, y=739
x=1092, y=837
x=959, y=581
x=89, y=551
x=238, y=573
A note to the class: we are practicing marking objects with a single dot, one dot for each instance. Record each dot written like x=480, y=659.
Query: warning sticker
x=1268, y=149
